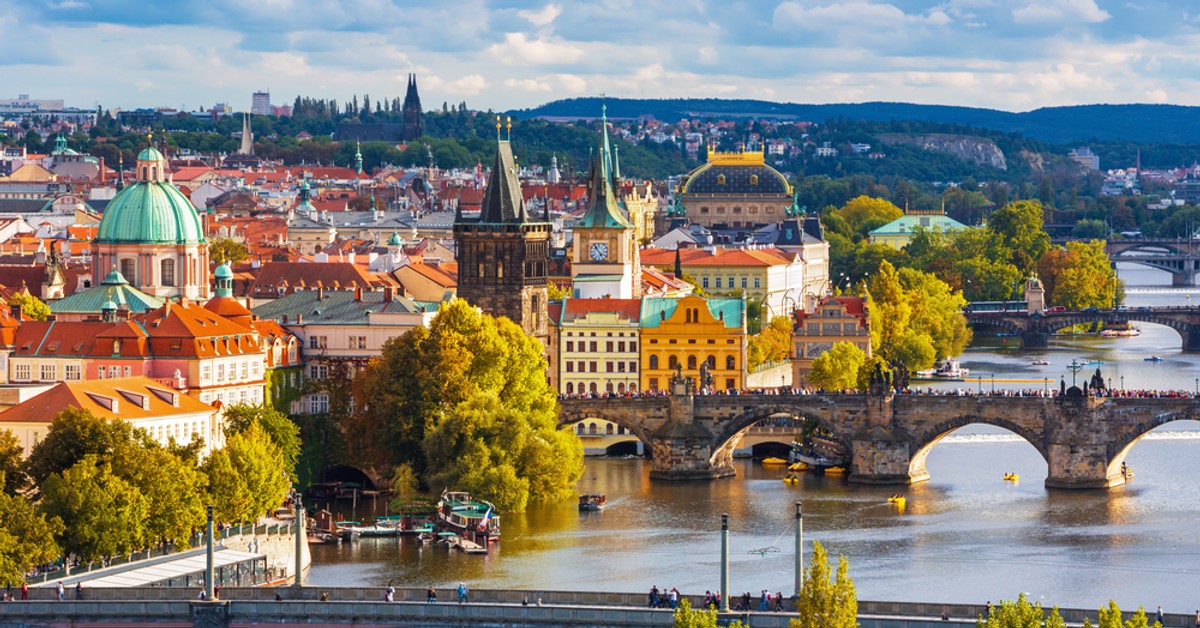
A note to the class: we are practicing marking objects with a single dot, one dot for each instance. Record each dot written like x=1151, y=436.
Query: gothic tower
x=503, y=256
x=413, y=126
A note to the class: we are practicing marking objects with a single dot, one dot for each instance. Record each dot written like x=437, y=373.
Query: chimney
x=320, y=292
x=436, y=262
x=357, y=293
x=299, y=319
x=389, y=293
x=285, y=319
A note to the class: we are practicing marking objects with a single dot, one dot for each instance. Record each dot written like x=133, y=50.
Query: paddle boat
x=790, y=478
x=773, y=461
x=897, y=499
x=1012, y=477
x=1153, y=358
x=593, y=501
x=1040, y=363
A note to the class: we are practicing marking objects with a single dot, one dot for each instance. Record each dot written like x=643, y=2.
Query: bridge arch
x=732, y=429
x=589, y=417
x=1120, y=447
x=924, y=443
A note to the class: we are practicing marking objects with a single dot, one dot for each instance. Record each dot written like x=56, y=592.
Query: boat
x=593, y=501
x=790, y=479
x=798, y=467
x=377, y=529
x=773, y=461
x=1120, y=330
x=474, y=520
x=1153, y=358
x=348, y=530
x=445, y=539
x=949, y=370
x=835, y=471
x=818, y=454
x=1040, y=363
x=1012, y=477
x=898, y=500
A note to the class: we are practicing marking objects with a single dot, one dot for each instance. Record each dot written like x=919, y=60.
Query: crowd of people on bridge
x=961, y=391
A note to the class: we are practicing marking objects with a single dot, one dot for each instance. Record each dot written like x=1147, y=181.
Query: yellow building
x=598, y=348
x=687, y=332
x=899, y=232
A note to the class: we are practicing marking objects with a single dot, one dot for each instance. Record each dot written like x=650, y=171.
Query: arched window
x=633, y=388
x=712, y=361
x=580, y=429
x=672, y=362
x=691, y=362
x=720, y=179
x=592, y=429
x=167, y=272
x=753, y=179
x=129, y=270
x=653, y=361
x=592, y=387
x=608, y=388
x=570, y=388
x=621, y=388
x=730, y=363
x=608, y=428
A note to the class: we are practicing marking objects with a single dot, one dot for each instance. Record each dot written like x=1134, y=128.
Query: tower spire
x=358, y=160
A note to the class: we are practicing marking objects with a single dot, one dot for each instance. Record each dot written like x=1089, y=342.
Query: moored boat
x=1040, y=363
x=1153, y=358
x=593, y=501
x=475, y=520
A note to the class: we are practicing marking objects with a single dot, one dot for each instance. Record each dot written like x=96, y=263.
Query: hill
x=1058, y=125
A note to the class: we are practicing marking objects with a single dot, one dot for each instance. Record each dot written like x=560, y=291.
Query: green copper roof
x=150, y=153
x=908, y=224
x=223, y=271
x=395, y=239
x=657, y=309
x=150, y=212
x=106, y=296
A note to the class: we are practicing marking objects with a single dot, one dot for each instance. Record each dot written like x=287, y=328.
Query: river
x=964, y=536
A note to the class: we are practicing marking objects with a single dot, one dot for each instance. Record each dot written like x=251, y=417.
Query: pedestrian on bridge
x=462, y=593
x=62, y=591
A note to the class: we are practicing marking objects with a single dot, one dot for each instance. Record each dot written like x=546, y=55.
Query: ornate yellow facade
x=678, y=335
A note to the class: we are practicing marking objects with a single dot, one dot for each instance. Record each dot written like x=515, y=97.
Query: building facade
x=679, y=335
x=598, y=346
x=734, y=191
x=606, y=262
x=835, y=319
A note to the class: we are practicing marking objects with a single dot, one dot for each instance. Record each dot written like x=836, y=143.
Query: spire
x=617, y=164
x=247, y=147
x=121, y=172
x=502, y=199
x=602, y=208
x=678, y=264
x=358, y=162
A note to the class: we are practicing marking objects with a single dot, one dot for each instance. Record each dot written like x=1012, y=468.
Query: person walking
x=390, y=594
x=431, y=595
x=62, y=591
x=24, y=590
x=79, y=590
x=1159, y=615
x=674, y=597
x=462, y=593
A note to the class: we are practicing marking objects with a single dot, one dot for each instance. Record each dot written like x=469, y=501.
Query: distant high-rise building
x=413, y=126
x=260, y=104
x=1085, y=157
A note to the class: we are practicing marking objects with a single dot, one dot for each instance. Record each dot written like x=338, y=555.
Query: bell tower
x=503, y=256
x=411, y=109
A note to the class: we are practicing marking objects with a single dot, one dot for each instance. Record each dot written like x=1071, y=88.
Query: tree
x=246, y=478
x=1019, y=614
x=824, y=603
x=502, y=454
x=772, y=344
x=1079, y=275
x=224, y=250
x=687, y=617
x=555, y=293
x=102, y=514
x=278, y=427
x=916, y=318
x=465, y=364
x=1020, y=226
x=26, y=538
x=12, y=473
x=1110, y=617
x=838, y=368
x=864, y=213
x=172, y=487
x=73, y=434
x=31, y=306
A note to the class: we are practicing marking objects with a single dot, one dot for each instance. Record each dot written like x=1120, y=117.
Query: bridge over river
x=1034, y=329
x=1083, y=439
x=1178, y=256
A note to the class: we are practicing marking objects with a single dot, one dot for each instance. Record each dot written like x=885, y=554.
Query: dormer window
x=720, y=179
x=753, y=179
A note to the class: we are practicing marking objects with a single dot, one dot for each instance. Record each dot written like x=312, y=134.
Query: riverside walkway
x=365, y=607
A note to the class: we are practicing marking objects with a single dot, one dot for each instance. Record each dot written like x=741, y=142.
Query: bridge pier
x=1191, y=339
x=1035, y=339
x=1183, y=279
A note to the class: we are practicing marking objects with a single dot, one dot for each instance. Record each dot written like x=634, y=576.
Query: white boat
x=951, y=368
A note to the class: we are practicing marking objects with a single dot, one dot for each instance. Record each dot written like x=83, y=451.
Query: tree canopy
x=224, y=250
x=838, y=368
x=1020, y=613
x=31, y=306
x=75, y=433
x=282, y=431
x=1020, y=225
x=27, y=538
x=826, y=602
x=1079, y=275
x=102, y=514
x=12, y=468
x=246, y=478
x=772, y=344
x=916, y=318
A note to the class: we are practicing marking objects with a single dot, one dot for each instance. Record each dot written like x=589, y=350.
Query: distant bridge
x=1084, y=440
x=1035, y=329
x=1178, y=256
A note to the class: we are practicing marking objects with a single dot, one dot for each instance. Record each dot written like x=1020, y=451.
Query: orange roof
x=127, y=398
x=718, y=257
x=192, y=331
x=656, y=281
x=190, y=173
x=628, y=309
x=57, y=338
x=339, y=275
x=439, y=274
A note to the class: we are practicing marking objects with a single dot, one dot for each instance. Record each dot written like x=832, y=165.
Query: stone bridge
x=1035, y=330
x=1084, y=440
x=1178, y=256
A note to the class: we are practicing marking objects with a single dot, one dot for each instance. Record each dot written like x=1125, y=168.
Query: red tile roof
x=127, y=398
x=718, y=257
x=627, y=309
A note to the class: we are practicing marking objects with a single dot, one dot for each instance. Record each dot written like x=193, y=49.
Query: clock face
x=599, y=251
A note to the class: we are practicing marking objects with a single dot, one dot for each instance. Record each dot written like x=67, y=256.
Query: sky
x=1013, y=55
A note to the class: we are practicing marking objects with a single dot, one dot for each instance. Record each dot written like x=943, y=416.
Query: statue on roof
x=796, y=209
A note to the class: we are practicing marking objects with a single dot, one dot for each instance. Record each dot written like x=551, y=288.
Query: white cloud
x=1051, y=11
x=543, y=16
x=517, y=48
x=1156, y=96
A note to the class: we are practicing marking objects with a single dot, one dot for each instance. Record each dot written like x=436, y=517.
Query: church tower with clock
x=503, y=257
x=606, y=261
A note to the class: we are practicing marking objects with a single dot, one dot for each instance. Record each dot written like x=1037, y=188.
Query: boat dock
x=468, y=546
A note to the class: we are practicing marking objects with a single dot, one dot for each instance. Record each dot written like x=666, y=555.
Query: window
x=704, y=281
x=744, y=283
x=757, y=281
x=654, y=361
x=318, y=371
x=592, y=346
x=21, y=372
x=672, y=362
x=570, y=367
x=691, y=362
x=318, y=404
x=719, y=282
x=633, y=347
x=167, y=272
x=633, y=367
x=362, y=342
x=571, y=391
x=653, y=383
x=730, y=363
x=72, y=372
x=592, y=368
x=570, y=345
x=621, y=347
x=48, y=373
x=608, y=346
x=128, y=371
x=205, y=373
x=220, y=372
x=729, y=385
x=620, y=367
x=608, y=366
x=114, y=371
x=128, y=269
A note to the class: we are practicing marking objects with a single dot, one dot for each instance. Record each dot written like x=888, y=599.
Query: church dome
x=150, y=211
x=736, y=174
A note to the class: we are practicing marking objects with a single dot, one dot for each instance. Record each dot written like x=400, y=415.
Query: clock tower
x=503, y=256
x=606, y=261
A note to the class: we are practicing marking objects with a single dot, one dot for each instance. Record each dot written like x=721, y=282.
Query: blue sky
x=1005, y=54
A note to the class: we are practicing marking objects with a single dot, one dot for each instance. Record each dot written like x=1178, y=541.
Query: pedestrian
x=431, y=595
x=763, y=604
x=779, y=601
x=525, y=601
x=79, y=590
x=462, y=593
x=217, y=592
x=62, y=591
x=25, y=591
x=674, y=597
x=203, y=595
x=278, y=598
x=325, y=596
x=1159, y=614
x=653, y=596
x=1198, y=618
x=390, y=594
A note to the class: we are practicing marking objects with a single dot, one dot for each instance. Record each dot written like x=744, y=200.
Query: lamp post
x=799, y=550
x=300, y=542
x=1046, y=385
x=1122, y=383
x=724, y=563
x=993, y=377
x=208, y=557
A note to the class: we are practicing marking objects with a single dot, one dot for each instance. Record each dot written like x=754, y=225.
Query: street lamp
x=1122, y=383
x=993, y=376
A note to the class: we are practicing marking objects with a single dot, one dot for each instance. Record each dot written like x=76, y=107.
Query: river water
x=964, y=536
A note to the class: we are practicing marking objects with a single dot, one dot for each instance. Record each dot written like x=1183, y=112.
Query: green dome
x=108, y=305
x=150, y=153
x=223, y=272
x=114, y=278
x=395, y=239
x=150, y=212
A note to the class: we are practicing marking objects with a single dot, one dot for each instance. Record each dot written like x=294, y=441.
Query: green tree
x=31, y=306
x=687, y=617
x=73, y=434
x=1079, y=275
x=502, y=454
x=12, y=469
x=281, y=430
x=826, y=603
x=864, y=213
x=772, y=344
x=838, y=368
x=246, y=477
x=27, y=538
x=1021, y=228
x=554, y=293
x=915, y=317
x=173, y=489
x=1019, y=614
x=1110, y=617
x=102, y=514
x=224, y=250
